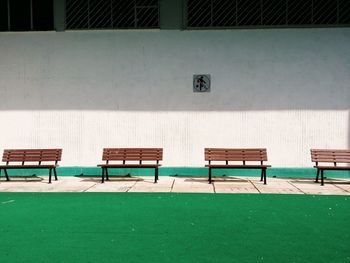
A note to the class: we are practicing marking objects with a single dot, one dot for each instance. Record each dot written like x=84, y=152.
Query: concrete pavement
x=177, y=184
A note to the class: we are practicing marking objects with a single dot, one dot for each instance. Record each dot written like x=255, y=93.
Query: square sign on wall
x=201, y=83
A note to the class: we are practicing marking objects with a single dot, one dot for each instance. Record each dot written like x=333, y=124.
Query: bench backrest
x=330, y=156
x=132, y=154
x=32, y=155
x=235, y=154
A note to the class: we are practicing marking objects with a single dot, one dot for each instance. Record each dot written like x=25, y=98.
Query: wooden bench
x=25, y=158
x=327, y=157
x=131, y=158
x=226, y=156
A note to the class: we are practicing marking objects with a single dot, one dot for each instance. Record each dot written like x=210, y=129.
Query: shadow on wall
x=153, y=71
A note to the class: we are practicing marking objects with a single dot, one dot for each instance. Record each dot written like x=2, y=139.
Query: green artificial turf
x=155, y=227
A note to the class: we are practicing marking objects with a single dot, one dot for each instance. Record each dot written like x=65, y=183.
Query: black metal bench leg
x=50, y=174
x=264, y=175
x=156, y=175
x=317, y=175
x=6, y=175
x=55, y=173
x=322, y=177
x=107, y=176
x=209, y=179
x=103, y=175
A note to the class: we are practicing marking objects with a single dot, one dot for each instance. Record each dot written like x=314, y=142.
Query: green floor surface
x=168, y=227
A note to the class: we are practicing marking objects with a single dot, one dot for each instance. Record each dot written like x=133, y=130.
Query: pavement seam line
x=89, y=187
x=131, y=186
x=297, y=188
x=172, y=185
x=254, y=186
x=341, y=188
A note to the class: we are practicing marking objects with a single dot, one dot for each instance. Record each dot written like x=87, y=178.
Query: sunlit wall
x=284, y=89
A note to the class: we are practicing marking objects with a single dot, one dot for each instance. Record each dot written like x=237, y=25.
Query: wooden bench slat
x=122, y=157
x=237, y=159
x=9, y=154
x=235, y=149
x=134, y=153
x=235, y=153
x=132, y=149
x=345, y=153
x=131, y=154
x=323, y=157
x=28, y=161
x=129, y=165
x=315, y=159
x=335, y=160
x=132, y=159
x=333, y=167
x=31, y=150
x=237, y=166
x=234, y=156
x=330, y=150
x=126, y=157
x=331, y=155
x=39, y=156
x=20, y=166
x=32, y=155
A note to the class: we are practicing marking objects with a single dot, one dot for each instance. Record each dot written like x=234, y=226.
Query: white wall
x=284, y=89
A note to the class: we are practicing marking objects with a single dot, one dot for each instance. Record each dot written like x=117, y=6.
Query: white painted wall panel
x=287, y=90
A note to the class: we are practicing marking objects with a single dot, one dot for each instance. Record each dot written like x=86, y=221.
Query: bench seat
x=31, y=159
x=129, y=165
x=28, y=166
x=230, y=155
x=333, y=167
x=237, y=166
x=324, y=157
x=124, y=155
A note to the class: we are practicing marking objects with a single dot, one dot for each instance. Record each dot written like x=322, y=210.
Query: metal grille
x=112, y=14
x=245, y=13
